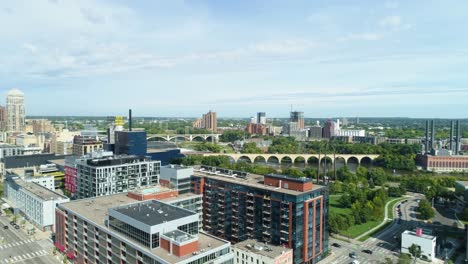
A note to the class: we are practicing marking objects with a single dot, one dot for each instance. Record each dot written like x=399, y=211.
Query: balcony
x=249, y=228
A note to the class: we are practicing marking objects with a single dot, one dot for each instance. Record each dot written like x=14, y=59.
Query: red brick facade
x=287, y=184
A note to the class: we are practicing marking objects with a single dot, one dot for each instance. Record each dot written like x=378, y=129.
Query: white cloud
x=393, y=22
x=30, y=47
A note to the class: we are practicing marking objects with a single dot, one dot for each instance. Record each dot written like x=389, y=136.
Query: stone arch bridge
x=185, y=137
x=306, y=158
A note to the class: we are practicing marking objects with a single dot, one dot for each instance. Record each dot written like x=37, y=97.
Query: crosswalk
x=24, y=257
x=346, y=259
x=16, y=244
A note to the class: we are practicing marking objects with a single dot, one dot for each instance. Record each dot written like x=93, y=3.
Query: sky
x=174, y=58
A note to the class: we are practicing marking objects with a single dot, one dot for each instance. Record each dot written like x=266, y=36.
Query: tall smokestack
x=129, y=119
x=452, y=124
x=433, y=135
x=426, y=142
x=457, y=143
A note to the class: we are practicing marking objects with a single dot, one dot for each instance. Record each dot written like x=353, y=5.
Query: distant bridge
x=293, y=158
x=185, y=137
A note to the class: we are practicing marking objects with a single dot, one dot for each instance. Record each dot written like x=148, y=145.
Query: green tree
x=232, y=135
x=251, y=148
x=388, y=261
x=336, y=187
x=415, y=251
x=378, y=176
x=361, y=172
x=425, y=210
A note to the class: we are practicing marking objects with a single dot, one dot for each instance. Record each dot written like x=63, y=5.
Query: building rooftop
x=251, y=180
x=424, y=235
x=5, y=145
x=152, y=212
x=95, y=210
x=262, y=249
x=152, y=190
x=60, y=162
x=113, y=160
x=464, y=183
x=39, y=191
x=177, y=167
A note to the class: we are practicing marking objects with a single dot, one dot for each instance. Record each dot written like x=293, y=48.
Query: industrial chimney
x=433, y=135
x=130, y=120
x=457, y=143
x=452, y=124
x=426, y=142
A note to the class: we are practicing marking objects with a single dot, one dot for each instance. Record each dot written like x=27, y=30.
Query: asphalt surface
x=385, y=244
x=17, y=247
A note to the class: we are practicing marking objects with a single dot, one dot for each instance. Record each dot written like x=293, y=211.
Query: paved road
x=385, y=245
x=17, y=247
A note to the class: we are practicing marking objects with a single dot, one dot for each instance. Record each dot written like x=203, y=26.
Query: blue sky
x=182, y=58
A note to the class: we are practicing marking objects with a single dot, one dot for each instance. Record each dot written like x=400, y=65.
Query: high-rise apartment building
x=104, y=174
x=261, y=118
x=3, y=118
x=15, y=111
x=83, y=145
x=208, y=121
x=176, y=176
x=40, y=126
x=112, y=229
x=316, y=131
x=130, y=143
x=297, y=117
x=329, y=130
x=275, y=209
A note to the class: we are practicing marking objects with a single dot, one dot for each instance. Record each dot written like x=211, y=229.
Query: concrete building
x=297, y=117
x=261, y=118
x=62, y=142
x=7, y=150
x=176, y=176
x=40, y=126
x=274, y=209
x=252, y=251
x=316, y=131
x=208, y=121
x=420, y=238
x=3, y=118
x=329, y=130
x=103, y=174
x=34, y=201
x=111, y=230
x=16, y=112
x=27, y=175
x=30, y=140
x=84, y=145
x=350, y=133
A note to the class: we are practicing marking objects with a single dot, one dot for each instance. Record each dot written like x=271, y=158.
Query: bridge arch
x=157, y=137
x=198, y=138
x=300, y=160
x=245, y=158
x=260, y=159
x=273, y=159
x=366, y=161
x=353, y=160
x=313, y=160
x=175, y=138
x=286, y=160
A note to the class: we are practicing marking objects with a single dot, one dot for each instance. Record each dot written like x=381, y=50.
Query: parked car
x=17, y=227
x=352, y=255
x=336, y=245
x=5, y=227
x=367, y=251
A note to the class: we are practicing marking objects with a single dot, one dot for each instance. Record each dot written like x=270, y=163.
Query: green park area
x=353, y=230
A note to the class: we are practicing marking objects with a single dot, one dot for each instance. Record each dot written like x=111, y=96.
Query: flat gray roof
x=152, y=212
x=464, y=183
x=262, y=249
x=39, y=191
x=95, y=210
x=252, y=180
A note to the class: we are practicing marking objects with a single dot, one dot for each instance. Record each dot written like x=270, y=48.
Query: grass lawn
x=355, y=230
x=364, y=238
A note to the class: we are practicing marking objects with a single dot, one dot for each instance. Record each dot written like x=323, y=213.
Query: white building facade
x=16, y=112
x=425, y=241
x=34, y=201
x=252, y=251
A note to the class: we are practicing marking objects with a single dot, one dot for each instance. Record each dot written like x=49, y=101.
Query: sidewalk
x=384, y=221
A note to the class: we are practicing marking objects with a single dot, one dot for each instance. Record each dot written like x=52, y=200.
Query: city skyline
x=387, y=58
